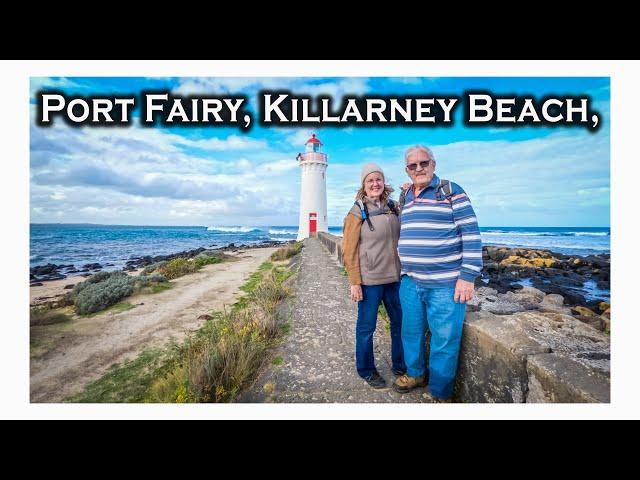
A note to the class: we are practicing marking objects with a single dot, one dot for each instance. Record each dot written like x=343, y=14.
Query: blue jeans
x=372, y=295
x=436, y=309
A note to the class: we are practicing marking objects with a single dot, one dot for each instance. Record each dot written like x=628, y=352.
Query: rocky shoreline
x=51, y=271
x=519, y=279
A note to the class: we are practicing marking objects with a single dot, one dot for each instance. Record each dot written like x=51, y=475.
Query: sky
x=223, y=176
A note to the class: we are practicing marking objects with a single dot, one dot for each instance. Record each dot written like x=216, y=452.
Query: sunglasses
x=414, y=166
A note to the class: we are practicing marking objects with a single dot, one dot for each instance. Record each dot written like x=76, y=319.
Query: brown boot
x=405, y=383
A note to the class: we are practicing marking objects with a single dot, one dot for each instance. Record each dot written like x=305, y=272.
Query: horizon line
x=257, y=226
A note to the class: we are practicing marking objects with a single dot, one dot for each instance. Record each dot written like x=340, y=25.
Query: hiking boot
x=376, y=381
x=405, y=383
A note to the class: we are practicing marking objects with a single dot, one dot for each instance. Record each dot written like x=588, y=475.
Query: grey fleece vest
x=378, y=250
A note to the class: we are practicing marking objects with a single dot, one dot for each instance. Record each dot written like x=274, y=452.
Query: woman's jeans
x=372, y=295
x=433, y=308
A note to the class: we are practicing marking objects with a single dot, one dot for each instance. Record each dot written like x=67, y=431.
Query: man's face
x=420, y=169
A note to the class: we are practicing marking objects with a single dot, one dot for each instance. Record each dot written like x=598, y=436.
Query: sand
x=78, y=352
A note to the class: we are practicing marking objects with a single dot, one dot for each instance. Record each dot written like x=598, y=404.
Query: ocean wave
x=274, y=231
x=544, y=234
x=233, y=229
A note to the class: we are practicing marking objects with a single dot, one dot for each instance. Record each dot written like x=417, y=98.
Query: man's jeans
x=433, y=308
x=372, y=295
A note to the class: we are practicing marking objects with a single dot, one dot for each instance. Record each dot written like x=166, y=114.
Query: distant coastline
x=86, y=243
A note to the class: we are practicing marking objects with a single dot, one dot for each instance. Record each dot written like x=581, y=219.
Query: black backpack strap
x=445, y=189
x=393, y=206
x=364, y=212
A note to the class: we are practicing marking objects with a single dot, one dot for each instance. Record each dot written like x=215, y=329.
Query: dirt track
x=81, y=351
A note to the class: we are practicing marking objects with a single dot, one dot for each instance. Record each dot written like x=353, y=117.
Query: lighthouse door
x=313, y=224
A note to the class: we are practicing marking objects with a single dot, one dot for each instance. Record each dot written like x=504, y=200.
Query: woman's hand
x=356, y=293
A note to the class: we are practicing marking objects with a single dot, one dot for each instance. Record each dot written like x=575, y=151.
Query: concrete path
x=318, y=363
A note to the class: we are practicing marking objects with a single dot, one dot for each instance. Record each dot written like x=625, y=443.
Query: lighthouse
x=313, y=190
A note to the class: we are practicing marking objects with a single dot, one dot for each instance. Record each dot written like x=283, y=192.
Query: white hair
x=419, y=148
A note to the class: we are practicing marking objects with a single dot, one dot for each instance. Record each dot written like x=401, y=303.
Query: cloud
x=232, y=142
x=251, y=86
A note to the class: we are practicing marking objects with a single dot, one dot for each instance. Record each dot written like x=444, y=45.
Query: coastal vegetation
x=215, y=363
x=287, y=251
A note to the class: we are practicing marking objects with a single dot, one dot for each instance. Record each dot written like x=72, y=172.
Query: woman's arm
x=350, y=248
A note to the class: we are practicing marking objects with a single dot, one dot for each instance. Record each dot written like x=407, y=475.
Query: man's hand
x=356, y=293
x=464, y=291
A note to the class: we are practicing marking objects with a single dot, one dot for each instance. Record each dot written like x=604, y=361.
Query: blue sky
x=522, y=176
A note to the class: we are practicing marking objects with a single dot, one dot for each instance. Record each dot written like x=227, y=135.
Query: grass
x=128, y=382
x=161, y=287
x=287, y=251
x=181, y=266
x=46, y=316
x=215, y=363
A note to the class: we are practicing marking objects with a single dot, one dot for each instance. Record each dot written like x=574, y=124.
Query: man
x=441, y=256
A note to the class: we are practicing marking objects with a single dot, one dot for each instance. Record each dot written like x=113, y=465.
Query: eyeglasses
x=414, y=166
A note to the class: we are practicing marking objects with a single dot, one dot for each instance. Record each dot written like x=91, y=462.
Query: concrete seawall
x=534, y=356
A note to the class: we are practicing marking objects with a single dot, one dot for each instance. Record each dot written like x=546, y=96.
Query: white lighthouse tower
x=313, y=190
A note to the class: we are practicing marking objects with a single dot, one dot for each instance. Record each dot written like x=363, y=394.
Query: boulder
x=583, y=311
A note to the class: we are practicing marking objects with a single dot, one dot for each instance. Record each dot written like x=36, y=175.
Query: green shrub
x=203, y=260
x=98, y=296
x=145, y=281
x=287, y=251
x=152, y=268
x=177, y=268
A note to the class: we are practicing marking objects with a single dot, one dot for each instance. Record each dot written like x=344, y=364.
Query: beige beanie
x=370, y=168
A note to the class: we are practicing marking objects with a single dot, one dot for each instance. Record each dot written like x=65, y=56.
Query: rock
x=532, y=357
x=583, y=311
x=554, y=303
x=591, y=321
x=531, y=294
x=553, y=299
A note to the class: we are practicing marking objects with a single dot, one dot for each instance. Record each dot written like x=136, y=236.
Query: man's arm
x=465, y=218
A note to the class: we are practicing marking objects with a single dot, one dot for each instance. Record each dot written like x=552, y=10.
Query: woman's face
x=374, y=185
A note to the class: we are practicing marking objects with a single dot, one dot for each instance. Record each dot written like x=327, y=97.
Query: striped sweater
x=439, y=240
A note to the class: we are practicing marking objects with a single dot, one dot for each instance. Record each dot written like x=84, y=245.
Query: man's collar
x=435, y=180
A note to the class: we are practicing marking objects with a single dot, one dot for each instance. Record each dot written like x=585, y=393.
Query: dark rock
x=92, y=266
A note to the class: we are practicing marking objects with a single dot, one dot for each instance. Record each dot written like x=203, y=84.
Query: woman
x=370, y=253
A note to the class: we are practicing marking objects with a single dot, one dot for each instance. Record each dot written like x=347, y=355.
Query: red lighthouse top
x=313, y=139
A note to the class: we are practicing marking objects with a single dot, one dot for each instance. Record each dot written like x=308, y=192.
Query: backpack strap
x=364, y=212
x=393, y=206
x=445, y=190
x=403, y=198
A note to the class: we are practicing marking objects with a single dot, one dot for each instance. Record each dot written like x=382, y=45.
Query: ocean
x=80, y=244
